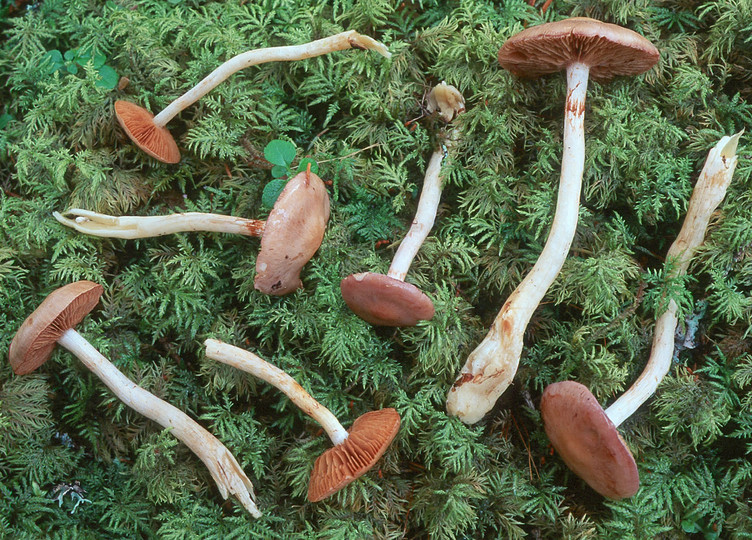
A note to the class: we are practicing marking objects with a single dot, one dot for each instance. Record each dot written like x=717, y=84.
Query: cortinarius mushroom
x=149, y=132
x=387, y=299
x=52, y=324
x=584, y=47
x=354, y=452
x=289, y=238
x=581, y=431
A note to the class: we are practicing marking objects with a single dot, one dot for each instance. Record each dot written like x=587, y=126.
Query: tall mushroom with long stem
x=389, y=300
x=149, y=133
x=289, y=237
x=53, y=322
x=583, y=433
x=354, y=452
x=586, y=49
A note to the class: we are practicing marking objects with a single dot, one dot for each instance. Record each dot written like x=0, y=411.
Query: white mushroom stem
x=337, y=42
x=425, y=216
x=707, y=195
x=222, y=465
x=491, y=367
x=130, y=227
x=249, y=362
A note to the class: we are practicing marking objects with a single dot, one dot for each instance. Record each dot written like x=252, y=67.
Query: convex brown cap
x=63, y=309
x=138, y=124
x=381, y=300
x=368, y=438
x=608, y=49
x=292, y=234
x=588, y=441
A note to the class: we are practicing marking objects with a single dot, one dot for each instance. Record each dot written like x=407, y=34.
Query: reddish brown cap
x=385, y=301
x=138, y=123
x=292, y=234
x=63, y=309
x=588, y=441
x=368, y=439
x=608, y=49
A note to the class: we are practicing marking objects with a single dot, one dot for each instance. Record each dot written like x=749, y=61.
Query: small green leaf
x=5, y=120
x=690, y=526
x=56, y=60
x=98, y=60
x=72, y=68
x=304, y=165
x=70, y=55
x=280, y=152
x=271, y=192
x=279, y=171
x=109, y=78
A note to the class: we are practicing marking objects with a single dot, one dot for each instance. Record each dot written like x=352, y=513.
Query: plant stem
x=130, y=227
x=490, y=368
x=222, y=465
x=249, y=362
x=337, y=42
x=707, y=195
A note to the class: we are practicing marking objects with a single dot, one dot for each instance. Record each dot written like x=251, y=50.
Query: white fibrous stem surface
x=130, y=227
x=707, y=195
x=337, y=42
x=222, y=465
x=490, y=368
x=249, y=362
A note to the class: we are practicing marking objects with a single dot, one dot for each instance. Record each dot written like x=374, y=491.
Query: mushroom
x=387, y=299
x=354, y=452
x=585, y=48
x=149, y=131
x=289, y=238
x=53, y=323
x=583, y=433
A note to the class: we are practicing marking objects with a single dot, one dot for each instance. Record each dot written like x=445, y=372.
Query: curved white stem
x=707, y=195
x=490, y=368
x=130, y=227
x=222, y=465
x=247, y=361
x=337, y=42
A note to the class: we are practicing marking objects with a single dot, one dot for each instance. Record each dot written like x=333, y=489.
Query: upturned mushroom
x=53, y=322
x=289, y=237
x=585, y=48
x=354, y=452
x=149, y=133
x=583, y=433
x=389, y=300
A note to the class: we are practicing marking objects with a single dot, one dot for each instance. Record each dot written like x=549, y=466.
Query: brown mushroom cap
x=138, y=123
x=292, y=234
x=385, y=301
x=368, y=438
x=588, y=441
x=608, y=49
x=63, y=309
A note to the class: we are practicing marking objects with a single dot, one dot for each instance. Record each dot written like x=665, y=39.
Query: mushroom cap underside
x=588, y=441
x=368, y=438
x=138, y=124
x=63, y=309
x=608, y=49
x=384, y=301
x=292, y=234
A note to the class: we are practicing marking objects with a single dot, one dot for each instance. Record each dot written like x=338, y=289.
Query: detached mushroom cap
x=292, y=234
x=381, y=300
x=588, y=441
x=608, y=49
x=368, y=438
x=138, y=123
x=63, y=309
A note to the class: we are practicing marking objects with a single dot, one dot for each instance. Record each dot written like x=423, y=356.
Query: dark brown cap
x=292, y=234
x=607, y=49
x=367, y=440
x=138, y=123
x=63, y=309
x=588, y=441
x=385, y=301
